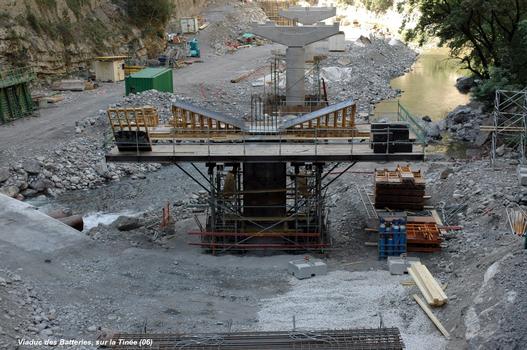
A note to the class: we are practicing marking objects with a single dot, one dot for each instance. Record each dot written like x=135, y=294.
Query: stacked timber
x=400, y=189
x=427, y=284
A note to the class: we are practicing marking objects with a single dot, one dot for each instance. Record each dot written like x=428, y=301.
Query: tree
x=149, y=13
x=372, y=5
x=486, y=35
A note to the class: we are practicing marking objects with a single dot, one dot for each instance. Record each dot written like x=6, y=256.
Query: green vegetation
x=488, y=36
x=379, y=6
x=155, y=13
x=49, y=5
x=76, y=5
x=96, y=32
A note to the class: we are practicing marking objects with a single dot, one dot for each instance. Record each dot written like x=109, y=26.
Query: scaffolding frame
x=302, y=224
x=509, y=122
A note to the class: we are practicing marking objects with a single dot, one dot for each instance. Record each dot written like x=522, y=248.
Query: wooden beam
x=421, y=285
x=431, y=316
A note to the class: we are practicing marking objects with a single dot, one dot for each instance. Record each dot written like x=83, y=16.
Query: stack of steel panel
x=364, y=339
x=15, y=96
x=401, y=188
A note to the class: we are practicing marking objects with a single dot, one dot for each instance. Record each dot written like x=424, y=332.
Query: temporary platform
x=363, y=339
x=15, y=97
x=266, y=179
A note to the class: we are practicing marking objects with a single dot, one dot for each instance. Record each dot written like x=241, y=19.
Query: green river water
x=429, y=88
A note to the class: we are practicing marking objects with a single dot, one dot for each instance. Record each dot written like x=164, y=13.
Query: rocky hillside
x=63, y=36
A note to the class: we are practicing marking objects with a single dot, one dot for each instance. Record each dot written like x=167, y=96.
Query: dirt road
x=55, y=123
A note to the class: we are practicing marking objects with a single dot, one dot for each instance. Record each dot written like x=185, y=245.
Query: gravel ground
x=356, y=299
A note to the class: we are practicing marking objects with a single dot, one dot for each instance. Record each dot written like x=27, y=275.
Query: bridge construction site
x=266, y=177
x=263, y=198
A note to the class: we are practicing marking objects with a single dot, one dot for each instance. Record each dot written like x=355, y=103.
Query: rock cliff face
x=63, y=36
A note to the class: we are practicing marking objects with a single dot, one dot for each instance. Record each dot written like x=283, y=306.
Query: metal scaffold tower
x=510, y=122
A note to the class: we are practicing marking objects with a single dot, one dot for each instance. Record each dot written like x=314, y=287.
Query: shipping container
x=159, y=79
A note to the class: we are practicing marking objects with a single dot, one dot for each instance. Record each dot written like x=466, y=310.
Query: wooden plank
x=431, y=316
x=420, y=285
x=429, y=284
x=432, y=284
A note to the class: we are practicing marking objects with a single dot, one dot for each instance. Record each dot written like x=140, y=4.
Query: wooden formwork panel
x=133, y=118
x=192, y=124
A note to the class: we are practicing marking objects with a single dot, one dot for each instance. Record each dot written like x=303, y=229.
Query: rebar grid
x=353, y=339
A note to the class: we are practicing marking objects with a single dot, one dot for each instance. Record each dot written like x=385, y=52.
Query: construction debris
x=432, y=291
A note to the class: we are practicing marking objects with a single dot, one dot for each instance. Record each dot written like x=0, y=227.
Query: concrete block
x=398, y=265
x=307, y=268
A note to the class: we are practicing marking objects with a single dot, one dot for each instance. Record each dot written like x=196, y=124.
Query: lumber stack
x=427, y=284
x=399, y=189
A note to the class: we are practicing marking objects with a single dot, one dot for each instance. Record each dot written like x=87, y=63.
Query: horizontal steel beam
x=153, y=158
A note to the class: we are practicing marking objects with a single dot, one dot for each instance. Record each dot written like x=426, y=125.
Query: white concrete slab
x=25, y=227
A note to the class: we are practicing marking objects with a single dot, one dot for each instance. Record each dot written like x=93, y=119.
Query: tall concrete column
x=295, y=74
x=296, y=38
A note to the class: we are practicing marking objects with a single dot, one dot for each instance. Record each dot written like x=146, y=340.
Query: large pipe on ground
x=74, y=221
x=59, y=213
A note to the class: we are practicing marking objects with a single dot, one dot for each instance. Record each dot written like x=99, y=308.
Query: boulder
x=464, y=84
x=101, y=169
x=32, y=166
x=363, y=40
x=460, y=115
x=4, y=174
x=445, y=173
x=41, y=185
x=433, y=131
x=128, y=223
x=28, y=193
x=500, y=151
x=427, y=119
x=10, y=191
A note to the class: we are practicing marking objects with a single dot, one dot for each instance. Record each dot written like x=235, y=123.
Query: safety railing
x=289, y=142
x=404, y=115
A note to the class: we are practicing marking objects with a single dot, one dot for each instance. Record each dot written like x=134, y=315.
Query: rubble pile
x=369, y=67
x=224, y=33
x=74, y=165
x=24, y=315
x=464, y=121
